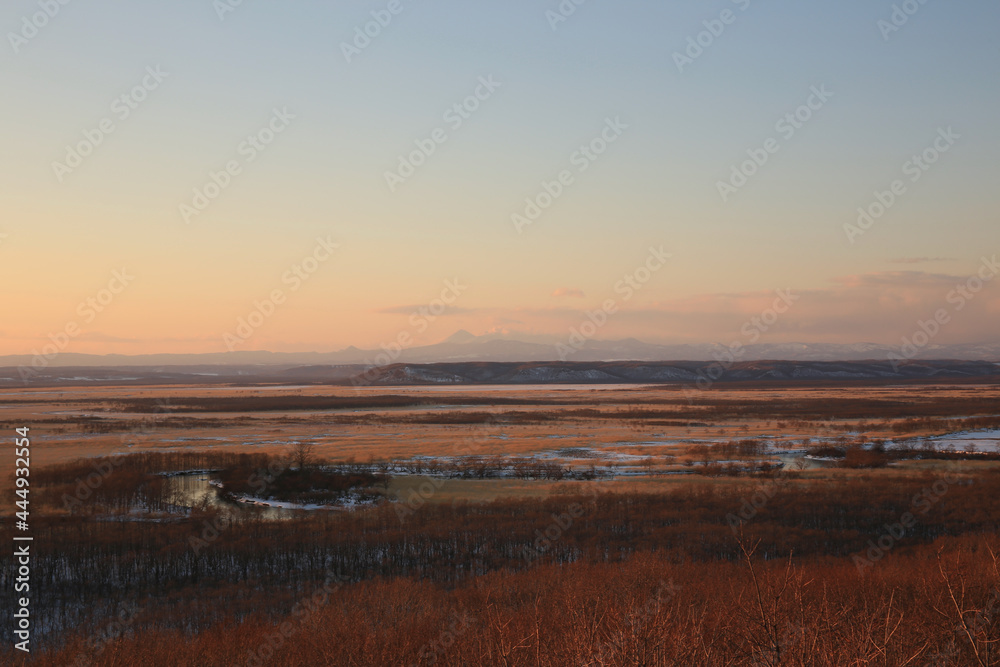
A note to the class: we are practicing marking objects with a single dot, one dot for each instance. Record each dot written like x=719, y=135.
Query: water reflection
x=194, y=490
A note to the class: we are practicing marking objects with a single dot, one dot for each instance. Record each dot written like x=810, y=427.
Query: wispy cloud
x=870, y=307
x=920, y=260
x=415, y=308
x=569, y=292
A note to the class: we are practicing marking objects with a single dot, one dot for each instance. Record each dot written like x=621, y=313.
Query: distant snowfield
x=974, y=435
x=964, y=441
x=346, y=504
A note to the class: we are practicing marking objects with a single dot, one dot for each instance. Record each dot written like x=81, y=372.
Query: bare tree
x=303, y=455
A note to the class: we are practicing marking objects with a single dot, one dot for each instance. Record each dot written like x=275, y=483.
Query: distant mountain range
x=692, y=373
x=464, y=346
x=700, y=374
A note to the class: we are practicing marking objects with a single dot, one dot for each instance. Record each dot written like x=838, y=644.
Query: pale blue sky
x=657, y=185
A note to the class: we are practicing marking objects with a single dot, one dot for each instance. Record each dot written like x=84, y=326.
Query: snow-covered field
x=347, y=503
x=966, y=441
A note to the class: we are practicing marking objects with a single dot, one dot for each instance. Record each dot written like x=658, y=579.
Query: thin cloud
x=415, y=308
x=99, y=337
x=877, y=307
x=920, y=260
x=569, y=292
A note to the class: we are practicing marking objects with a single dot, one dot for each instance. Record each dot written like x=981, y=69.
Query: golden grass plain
x=61, y=422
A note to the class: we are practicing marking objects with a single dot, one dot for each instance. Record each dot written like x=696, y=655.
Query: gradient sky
x=655, y=186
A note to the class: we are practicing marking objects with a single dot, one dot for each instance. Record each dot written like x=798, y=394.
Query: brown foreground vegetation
x=644, y=611
x=768, y=570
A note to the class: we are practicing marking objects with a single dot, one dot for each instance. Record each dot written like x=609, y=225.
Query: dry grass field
x=431, y=421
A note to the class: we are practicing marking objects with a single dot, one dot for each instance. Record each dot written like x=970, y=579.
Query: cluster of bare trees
x=649, y=609
x=784, y=592
x=487, y=467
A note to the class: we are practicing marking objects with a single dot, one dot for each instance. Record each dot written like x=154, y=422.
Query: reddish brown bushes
x=647, y=610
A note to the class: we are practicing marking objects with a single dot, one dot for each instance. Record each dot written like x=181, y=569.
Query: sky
x=200, y=175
